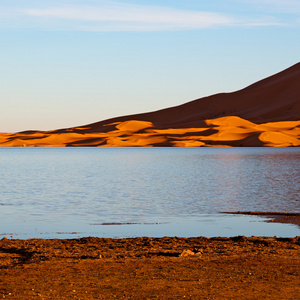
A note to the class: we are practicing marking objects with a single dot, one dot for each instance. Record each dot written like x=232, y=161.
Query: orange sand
x=266, y=113
x=151, y=268
x=134, y=133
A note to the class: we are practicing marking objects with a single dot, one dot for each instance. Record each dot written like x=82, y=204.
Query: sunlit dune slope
x=224, y=131
x=266, y=113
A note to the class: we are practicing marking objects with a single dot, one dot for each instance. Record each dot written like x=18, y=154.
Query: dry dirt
x=151, y=268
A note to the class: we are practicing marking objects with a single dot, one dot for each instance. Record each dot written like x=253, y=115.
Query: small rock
x=187, y=253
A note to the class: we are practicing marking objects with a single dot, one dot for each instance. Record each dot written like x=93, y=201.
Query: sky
x=66, y=63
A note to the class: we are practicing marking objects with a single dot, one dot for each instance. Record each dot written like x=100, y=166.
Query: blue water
x=71, y=192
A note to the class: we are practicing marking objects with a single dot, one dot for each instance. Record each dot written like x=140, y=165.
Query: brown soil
x=151, y=268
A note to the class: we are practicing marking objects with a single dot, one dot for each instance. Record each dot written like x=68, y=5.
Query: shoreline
x=151, y=268
x=290, y=225
x=236, y=267
x=268, y=217
x=277, y=217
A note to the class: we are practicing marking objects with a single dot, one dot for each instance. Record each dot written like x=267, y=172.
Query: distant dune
x=266, y=113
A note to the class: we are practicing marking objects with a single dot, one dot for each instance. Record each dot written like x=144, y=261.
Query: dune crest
x=224, y=131
x=266, y=113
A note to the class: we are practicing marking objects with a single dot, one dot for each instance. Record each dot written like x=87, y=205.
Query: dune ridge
x=224, y=131
x=266, y=113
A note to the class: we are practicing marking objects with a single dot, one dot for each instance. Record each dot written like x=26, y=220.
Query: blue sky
x=65, y=63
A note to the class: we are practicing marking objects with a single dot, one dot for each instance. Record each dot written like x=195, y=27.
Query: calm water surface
x=54, y=192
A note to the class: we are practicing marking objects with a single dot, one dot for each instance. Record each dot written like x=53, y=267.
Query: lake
x=122, y=192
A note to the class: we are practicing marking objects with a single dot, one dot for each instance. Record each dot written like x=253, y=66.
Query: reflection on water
x=68, y=189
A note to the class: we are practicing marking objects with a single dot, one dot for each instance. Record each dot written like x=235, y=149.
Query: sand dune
x=266, y=113
x=224, y=131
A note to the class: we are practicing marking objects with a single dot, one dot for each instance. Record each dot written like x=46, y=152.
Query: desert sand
x=151, y=268
x=266, y=113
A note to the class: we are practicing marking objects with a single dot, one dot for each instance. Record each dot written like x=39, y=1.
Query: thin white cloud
x=281, y=12
x=115, y=16
x=132, y=17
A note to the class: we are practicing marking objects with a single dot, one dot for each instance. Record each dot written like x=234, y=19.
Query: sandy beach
x=152, y=268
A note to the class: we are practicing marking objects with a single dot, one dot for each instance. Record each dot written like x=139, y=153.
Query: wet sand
x=151, y=268
x=278, y=217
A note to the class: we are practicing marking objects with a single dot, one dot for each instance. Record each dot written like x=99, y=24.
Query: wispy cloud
x=132, y=17
x=280, y=6
x=278, y=12
x=115, y=16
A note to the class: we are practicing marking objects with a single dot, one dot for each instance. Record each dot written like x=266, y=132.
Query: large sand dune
x=266, y=113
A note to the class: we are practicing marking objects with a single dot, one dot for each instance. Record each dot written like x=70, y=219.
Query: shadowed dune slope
x=266, y=113
x=276, y=98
